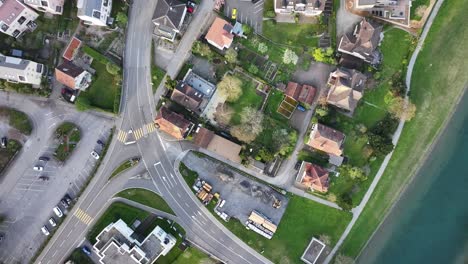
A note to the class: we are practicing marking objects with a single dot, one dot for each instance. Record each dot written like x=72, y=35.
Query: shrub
x=262, y=47
x=253, y=69
x=290, y=57
x=112, y=68
x=270, y=14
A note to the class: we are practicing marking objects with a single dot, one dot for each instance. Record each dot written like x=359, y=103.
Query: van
x=57, y=211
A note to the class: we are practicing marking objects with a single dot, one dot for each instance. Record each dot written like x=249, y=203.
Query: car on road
x=4, y=142
x=57, y=211
x=94, y=154
x=44, y=158
x=68, y=199
x=52, y=222
x=234, y=13
x=86, y=250
x=44, y=178
x=45, y=230
x=64, y=203
x=38, y=168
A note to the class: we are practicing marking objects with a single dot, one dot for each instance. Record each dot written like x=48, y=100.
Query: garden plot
x=287, y=106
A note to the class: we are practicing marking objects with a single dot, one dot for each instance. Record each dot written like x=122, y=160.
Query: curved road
x=137, y=111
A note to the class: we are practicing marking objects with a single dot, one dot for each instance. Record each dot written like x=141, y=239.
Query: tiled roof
x=364, y=41
x=346, y=88
x=203, y=137
x=315, y=177
x=169, y=13
x=66, y=73
x=302, y=93
x=186, y=96
x=172, y=123
x=71, y=49
x=326, y=139
x=220, y=33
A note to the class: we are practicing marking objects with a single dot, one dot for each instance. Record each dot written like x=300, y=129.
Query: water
x=430, y=222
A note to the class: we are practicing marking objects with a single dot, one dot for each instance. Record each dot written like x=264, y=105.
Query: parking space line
x=29, y=189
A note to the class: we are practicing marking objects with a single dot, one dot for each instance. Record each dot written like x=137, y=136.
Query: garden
x=68, y=135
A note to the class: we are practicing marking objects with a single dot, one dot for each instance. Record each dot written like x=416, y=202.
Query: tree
x=402, y=110
x=345, y=201
x=247, y=29
x=290, y=57
x=253, y=69
x=386, y=127
x=262, y=47
x=284, y=141
x=265, y=155
x=231, y=55
x=170, y=84
x=354, y=173
x=121, y=19
x=321, y=111
x=202, y=49
x=323, y=55
x=381, y=145
x=230, y=87
x=112, y=68
x=223, y=114
x=251, y=125
x=82, y=103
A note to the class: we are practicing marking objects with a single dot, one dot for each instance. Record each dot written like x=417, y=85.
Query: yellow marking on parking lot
x=138, y=133
x=83, y=217
x=122, y=136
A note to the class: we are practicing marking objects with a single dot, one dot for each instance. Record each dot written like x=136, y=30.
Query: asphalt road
x=137, y=111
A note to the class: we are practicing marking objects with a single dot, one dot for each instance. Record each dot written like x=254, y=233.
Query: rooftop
x=169, y=13
x=10, y=10
x=70, y=52
x=220, y=34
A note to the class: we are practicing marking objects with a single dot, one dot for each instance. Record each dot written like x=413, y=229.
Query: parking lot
x=242, y=194
x=247, y=12
x=26, y=200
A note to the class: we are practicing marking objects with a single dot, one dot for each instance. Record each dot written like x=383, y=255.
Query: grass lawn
x=124, y=166
x=193, y=256
x=292, y=34
x=414, y=6
x=147, y=198
x=274, y=100
x=190, y=176
x=17, y=119
x=157, y=74
x=69, y=135
x=314, y=157
x=6, y=154
x=78, y=256
x=249, y=97
x=437, y=83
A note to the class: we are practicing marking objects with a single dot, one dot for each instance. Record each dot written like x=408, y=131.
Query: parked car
x=301, y=108
x=43, y=158
x=69, y=95
x=38, y=168
x=44, y=178
x=45, y=230
x=52, y=222
x=68, y=199
x=94, y=154
x=4, y=142
x=100, y=142
x=2, y=237
x=234, y=13
x=191, y=6
x=64, y=203
x=57, y=211
x=86, y=250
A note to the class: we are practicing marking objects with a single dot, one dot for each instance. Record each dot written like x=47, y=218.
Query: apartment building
x=17, y=70
x=47, y=6
x=16, y=18
x=95, y=12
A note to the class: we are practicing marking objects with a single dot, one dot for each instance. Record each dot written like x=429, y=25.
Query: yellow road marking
x=122, y=136
x=138, y=133
x=83, y=217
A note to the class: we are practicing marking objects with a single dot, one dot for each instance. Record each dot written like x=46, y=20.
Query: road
x=396, y=137
x=137, y=112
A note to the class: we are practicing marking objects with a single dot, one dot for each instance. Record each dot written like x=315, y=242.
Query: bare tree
x=230, y=87
x=223, y=114
x=397, y=109
x=250, y=127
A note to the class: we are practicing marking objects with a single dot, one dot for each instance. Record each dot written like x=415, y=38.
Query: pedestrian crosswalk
x=136, y=134
x=84, y=217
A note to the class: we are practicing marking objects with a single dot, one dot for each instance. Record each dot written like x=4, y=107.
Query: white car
x=95, y=155
x=45, y=231
x=57, y=211
x=38, y=168
x=52, y=222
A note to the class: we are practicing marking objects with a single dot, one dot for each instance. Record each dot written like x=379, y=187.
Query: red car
x=191, y=6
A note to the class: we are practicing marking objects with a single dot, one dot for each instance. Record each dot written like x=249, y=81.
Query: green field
x=147, y=198
x=193, y=256
x=293, y=34
x=438, y=81
x=274, y=100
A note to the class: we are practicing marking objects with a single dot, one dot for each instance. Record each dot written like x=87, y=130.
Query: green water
x=430, y=222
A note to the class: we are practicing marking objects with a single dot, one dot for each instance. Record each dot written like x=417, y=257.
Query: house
x=117, y=243
x=220, y=34
x=72, y=49
x=207, y=139
x=387, y=9
x=326, y=139
x=168, y=18
x=94, y=12
x=363, y=42
x=16, y=18
x=54, y=7
x=17, y=70
x=302, y=93
x=72, y=76
x=313, y=177
x=305, y=7
x=173, y=123
x=346, y=88
x=193, y=92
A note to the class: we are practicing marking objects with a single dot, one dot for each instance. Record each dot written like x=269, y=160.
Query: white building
x=94, y=12
x=48, y=6
x=17, y=70
x=305, y=7
x=117, y=244
x=16, y=18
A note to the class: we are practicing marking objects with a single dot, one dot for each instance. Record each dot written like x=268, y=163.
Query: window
x=21, y=78
x=21, y=20
x=96, y=14
x=15, y=33
x=58, y=9
x=44, y=3
x=4, y=27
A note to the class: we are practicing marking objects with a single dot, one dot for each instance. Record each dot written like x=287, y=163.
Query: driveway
x=247, y=12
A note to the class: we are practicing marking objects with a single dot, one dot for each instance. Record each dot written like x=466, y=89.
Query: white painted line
x=178, y=194
x=186, y=204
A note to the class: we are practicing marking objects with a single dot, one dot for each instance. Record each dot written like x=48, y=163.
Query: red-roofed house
x=209, y=140
x=313, y=177
x=220, y=34
x=302, y=93
x=72, y=76
x=72, y=49
x=16, y=18
x=326, y=139
x=173, y=123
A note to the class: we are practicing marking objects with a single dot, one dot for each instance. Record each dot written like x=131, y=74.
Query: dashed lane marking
x=83, y=217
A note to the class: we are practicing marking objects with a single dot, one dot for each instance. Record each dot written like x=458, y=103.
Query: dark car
x=44, y=178
x=67, y=199
x=100, y=143
x=4, y=142
x=86, y=250
x=44, y=158
x=64, y=203
x=69, y=95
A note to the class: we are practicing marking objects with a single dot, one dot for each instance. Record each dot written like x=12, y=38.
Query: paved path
x=358, y=210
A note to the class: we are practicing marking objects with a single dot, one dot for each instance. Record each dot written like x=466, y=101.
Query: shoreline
x=419, y=165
